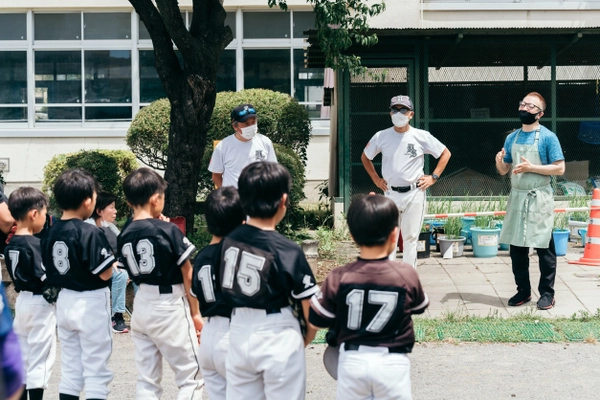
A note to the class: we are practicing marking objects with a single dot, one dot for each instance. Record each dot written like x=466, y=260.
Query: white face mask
x=248, y=132
x=399, y=120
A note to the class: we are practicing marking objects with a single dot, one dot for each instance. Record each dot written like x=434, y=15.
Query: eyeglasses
x=401, y=110
x=529, y=106
x=246, y=111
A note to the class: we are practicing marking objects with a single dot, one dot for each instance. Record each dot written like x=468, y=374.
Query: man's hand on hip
x=425, y=181
x=381, y=184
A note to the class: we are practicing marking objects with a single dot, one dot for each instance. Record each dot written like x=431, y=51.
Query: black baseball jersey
x=370, y=302
x=261, y=269
x=74, y=254
x=3, y=199
x=204, y=283
x=23, y=257
x=153, y=252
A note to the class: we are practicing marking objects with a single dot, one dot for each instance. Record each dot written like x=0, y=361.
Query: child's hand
x=198, y=324
x=163, y=217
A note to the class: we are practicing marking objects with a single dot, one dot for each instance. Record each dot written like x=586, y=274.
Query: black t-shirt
x=153, y=252
x=75, y=253
x=23, y=257
x=261, y=269
x=370, y=302
x=204, y=283
x=3, y=236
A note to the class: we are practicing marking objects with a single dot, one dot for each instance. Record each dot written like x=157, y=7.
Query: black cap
x=242, y=112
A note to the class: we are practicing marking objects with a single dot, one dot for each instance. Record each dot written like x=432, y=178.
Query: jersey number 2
x=145, y=250
x=248, y=275
x=355, y=301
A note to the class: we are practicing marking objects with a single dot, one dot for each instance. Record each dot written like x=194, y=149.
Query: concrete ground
x=482, y=286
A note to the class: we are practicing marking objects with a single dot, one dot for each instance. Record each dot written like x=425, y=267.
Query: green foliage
x=577, y=202
x=109, y=167
x=280, y=117
x=561, y=221
x=200, y=236
x=340, y=24
x=452, y=227
x=148, y=134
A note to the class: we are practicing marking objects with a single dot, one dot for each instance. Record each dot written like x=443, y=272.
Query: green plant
x=452, y=227
x=484, y=222
x=561, y=221
x=109, y=167
x=200, y=236
x=280, y=117
x=578, y=202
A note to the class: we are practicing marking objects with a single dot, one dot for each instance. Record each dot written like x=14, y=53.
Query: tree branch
x=173, y=21
x=169, y=69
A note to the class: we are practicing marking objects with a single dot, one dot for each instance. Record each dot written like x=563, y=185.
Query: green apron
x=530, y=208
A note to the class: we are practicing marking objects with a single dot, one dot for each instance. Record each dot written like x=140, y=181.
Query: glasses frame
x=529, y=106
x=402, y=111
x=247, y=111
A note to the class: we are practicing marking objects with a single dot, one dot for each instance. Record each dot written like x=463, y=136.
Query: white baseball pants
x=266, y=356
x=35, y=327
x=371, y=373
x=412, y=206
x=214, y=343
x=161, y=326
x=84, y=331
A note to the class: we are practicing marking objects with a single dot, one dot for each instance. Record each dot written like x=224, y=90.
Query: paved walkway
x=482, y=286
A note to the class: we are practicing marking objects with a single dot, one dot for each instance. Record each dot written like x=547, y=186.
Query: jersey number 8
x=60, y=257
x=248, y=276
x=145, y=250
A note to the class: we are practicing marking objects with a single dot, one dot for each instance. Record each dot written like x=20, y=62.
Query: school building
x=74, y=73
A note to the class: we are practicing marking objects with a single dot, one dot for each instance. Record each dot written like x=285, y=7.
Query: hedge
x=280, y=117
x=110, y=167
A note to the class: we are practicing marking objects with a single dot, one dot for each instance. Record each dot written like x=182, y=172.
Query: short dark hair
x=73, y=187
x=25, y=199
x=142, y=184
x=223, y=211
x=540, y=98
x=103, y=200
x=371, y=219
x=261, y=186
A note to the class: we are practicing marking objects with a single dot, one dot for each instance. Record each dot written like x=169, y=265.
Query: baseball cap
x=242, y=112
x=401, y=100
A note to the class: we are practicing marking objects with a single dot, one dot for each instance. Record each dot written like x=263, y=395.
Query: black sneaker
x=118, y=324
x=520, y=298
x=545, y=302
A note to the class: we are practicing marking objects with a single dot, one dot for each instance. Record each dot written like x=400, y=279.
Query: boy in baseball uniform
x=223, y=212
x=368, y=304
x=78, y=259
x=35, y=318
x=163, y=324
x=260, y=270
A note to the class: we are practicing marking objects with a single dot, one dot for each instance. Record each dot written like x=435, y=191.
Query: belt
x=268, y=311
x=164, y=289
x=356, y=347
x=404, y=189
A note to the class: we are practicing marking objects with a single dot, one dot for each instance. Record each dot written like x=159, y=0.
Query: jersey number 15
x=248, y=271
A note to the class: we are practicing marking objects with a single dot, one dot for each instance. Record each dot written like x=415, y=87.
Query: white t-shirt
x=403, y=154
x=231, y=155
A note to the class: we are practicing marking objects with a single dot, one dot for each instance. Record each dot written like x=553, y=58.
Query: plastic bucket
x=485, y=241
x=561, y=241
x=583, y=233
x=503, y=246
x=466, y=228
x=424, y=245
x=451, y=248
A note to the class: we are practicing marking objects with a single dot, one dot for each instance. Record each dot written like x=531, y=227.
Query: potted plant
x=424, y=242
x=578, y=219
x=561, y=233
x=453, y=244
x=485, y=235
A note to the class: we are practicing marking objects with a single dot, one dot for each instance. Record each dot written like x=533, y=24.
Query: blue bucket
x=561, y=241
x=503, y=246
x=583, y=233
x=485, y=241
x=466, y=228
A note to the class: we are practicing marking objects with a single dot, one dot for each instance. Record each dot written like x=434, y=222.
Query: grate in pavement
x=504, y=331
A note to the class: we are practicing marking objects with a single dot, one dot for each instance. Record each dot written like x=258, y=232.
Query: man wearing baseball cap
x=244, y=147
x=403, y=150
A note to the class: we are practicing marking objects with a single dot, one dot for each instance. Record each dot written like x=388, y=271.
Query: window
x=57, y=26
x=108, y=76
x=226, y=72
x=13, y=86
x=267, y=69
x=303, y=21
x=151, y=87
x=308, y=85
x=13, y=26
x=103, y=26
x=261, y=25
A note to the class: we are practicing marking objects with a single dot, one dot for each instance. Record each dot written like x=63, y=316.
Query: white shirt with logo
x=231, y=155
x=403, y=154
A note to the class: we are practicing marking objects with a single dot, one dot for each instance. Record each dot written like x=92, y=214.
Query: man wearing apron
x=403, y=150
x=536, y=154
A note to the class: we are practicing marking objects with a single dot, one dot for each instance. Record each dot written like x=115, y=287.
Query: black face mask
x=527, y=118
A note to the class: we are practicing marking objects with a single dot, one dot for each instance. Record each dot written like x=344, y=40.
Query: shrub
x=109, y=167
x=280, y=117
